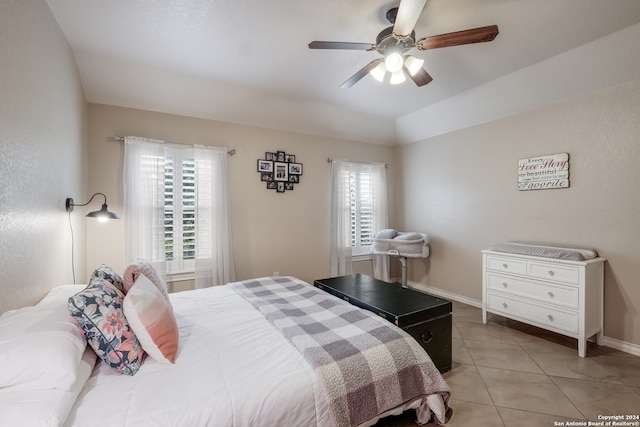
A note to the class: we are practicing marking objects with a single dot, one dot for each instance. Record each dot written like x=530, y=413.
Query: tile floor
x=506, y=373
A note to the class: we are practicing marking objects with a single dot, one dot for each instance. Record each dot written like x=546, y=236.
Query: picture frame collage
x=280, y=171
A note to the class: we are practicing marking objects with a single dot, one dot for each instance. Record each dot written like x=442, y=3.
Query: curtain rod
x=386, y=165
x=121, y=139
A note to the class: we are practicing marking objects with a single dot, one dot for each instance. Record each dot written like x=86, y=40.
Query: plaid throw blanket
x=366, y=365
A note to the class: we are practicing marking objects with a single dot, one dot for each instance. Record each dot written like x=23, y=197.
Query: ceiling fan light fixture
x=379, y=71
x=413, y=64
x=393, y=62
x=397, y=77
x=394, y=42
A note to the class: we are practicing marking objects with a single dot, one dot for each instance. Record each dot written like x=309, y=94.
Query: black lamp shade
x=103, y=213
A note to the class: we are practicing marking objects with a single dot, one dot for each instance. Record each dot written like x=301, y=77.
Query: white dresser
x=559, y=295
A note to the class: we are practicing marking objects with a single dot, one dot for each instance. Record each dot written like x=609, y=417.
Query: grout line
x=475, y=366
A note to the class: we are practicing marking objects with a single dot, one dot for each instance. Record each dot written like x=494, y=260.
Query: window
x=358, y=211
x=177, y=209
x=361, y=199
x=179, y=213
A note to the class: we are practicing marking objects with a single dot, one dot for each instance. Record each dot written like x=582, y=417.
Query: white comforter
x=232, y=369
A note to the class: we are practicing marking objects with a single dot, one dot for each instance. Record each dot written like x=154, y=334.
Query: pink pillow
x=138, y=267
x=151, y=319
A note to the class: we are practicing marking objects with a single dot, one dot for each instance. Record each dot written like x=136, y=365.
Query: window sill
x=362, y=257
x=180, y=276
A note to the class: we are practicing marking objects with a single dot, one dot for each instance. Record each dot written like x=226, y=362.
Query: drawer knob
x=551, y=273
x=505, y=265
x=504, y=304
x=504, y=284
x=550, y=294
x=426, y=338
x=550, y=317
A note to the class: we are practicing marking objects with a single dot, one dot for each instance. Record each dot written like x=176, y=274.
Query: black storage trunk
x=426, y=318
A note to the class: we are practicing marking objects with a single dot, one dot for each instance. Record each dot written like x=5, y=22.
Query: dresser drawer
x=564, y=320
x=555, y=272
x=506, y=265
x=566, y=296
x=563, y=296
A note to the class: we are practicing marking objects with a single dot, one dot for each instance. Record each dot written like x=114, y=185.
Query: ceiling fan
x=394, y=42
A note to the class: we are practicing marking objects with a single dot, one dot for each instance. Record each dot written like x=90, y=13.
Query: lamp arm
x=70, y=205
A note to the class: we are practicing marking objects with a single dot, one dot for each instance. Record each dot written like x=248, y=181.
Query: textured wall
x=461, y=189
x=42, y=116
x=272, y=232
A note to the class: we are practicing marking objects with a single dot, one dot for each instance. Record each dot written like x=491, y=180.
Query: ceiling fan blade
x=474, y=35
x=421, y=78
x=408, y=13
x=360, y=74
x=341, y=45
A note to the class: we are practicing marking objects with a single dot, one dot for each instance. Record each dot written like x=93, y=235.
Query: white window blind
x=179, y=212
x=361, y=198
x=358, y=211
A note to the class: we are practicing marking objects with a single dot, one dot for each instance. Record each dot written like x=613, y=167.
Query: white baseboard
x=445, y=294
x=623, y=346
x=627, y=347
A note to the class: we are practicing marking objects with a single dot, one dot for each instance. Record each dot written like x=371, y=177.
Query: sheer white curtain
x=144, y=181
x=214, y=257
x=380, y=217
x=374, y=190
x=144, y=201
x=340, y=240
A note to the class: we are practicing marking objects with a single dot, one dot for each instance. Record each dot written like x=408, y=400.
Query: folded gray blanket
x=366, y=365
x=546, y=250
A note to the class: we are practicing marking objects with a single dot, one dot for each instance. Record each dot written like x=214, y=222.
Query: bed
x=261, y=352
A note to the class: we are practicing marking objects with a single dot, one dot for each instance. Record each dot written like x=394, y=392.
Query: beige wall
x=460, y=188
x=42, y=133
x=286, y=232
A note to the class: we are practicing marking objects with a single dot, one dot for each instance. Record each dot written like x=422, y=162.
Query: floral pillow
x=97, y=310
x=109, y=274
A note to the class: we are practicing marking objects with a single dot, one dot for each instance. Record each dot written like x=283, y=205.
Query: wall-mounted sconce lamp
x=102, y=215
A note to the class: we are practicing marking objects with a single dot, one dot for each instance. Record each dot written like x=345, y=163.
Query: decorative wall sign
x=544, y=172
x=280, y=171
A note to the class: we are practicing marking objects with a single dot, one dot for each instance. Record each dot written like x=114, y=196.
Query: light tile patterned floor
x=509, y=374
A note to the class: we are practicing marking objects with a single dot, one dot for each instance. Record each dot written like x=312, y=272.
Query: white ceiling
x=247, y=61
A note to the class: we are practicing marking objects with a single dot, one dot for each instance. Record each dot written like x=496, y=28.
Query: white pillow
x=60, y=295
x=40, y=347
x=151, y=318
x=44, y=408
